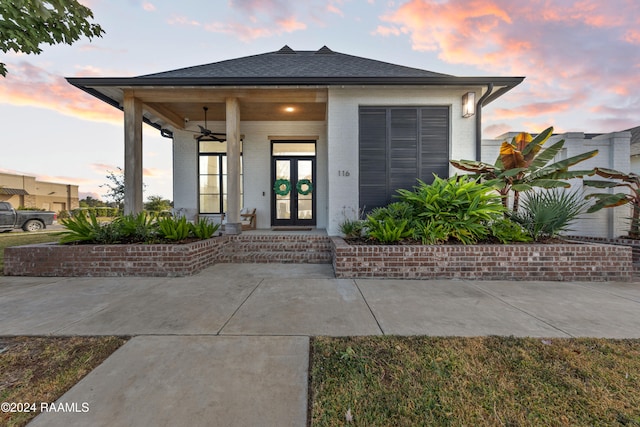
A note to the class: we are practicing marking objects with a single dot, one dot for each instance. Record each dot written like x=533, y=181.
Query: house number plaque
x=344, y=173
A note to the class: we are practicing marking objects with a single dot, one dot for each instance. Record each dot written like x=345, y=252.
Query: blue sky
x=581, y=59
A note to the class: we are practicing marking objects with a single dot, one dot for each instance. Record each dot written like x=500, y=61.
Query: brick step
x=313, y=249
x=278, y=257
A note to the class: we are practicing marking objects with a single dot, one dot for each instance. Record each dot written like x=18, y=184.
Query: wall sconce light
x=468, y=104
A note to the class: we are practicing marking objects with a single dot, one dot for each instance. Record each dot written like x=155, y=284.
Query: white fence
x=613, y=153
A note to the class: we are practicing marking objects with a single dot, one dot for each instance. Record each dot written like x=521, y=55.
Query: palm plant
x=546, y=214
x=522, y=165
x=608, y=200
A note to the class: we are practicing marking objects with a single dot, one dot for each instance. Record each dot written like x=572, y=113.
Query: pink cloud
x=247, y=32
x=104, y=168
x=571, y=52
x=255, y=19
x=183, y=20
x=29, y=85
x=149, y=7
x=495, y=130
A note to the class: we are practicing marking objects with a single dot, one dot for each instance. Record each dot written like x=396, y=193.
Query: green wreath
x=306, y=182
x=282, y=187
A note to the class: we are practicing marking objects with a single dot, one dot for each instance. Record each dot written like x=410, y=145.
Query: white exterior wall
x=613, y=153
x=256, y=165
x=342, y=124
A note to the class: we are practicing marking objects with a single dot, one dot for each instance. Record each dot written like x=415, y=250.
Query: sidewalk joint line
x=239, y=307
x=518, y=308
x=355, y=282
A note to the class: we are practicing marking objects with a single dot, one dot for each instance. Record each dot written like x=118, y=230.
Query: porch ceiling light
x=468, y=104
x=289, y=109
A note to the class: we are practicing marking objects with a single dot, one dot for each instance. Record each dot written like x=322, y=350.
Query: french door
x=293, y=190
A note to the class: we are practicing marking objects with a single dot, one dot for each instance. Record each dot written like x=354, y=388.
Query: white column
x=233, y=225
x=132, y=154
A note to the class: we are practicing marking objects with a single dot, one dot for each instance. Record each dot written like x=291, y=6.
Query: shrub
x=141, y=228
x=351, y=228
x=136, y=228
x=204, y=229
x=174, y=229
x=388, y=230
x=81, y=228
x=396, y=210
x=458, y=208
x=506, y=231
x=548, y=213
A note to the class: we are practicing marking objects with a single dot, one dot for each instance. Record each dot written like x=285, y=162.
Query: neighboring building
x=356, y=129
x=21, y=190
x=613, y=153
x=635, y=149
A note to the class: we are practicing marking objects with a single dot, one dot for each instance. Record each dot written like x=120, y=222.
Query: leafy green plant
x=608, y=200
x=522, y=165
x=83, y=228
x=351, y=228
x=388, y=231
x=459, y=207
x=507, y=231
x=174, y=229
x=203, y=229
x=137, y=228
x=395, y=210
x=546, y=214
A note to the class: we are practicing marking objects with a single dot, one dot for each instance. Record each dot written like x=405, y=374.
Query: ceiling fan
x=208, y=135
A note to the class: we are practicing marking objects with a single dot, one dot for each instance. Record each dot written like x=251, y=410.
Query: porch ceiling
x=174, y=107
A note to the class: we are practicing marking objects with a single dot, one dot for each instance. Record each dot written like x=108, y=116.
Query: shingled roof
x=290, y=67
x=288, y=63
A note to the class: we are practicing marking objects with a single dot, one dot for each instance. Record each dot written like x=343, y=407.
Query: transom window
x=212, y=174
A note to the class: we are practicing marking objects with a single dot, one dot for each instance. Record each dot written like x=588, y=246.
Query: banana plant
x=608, y=200
x=523, y=164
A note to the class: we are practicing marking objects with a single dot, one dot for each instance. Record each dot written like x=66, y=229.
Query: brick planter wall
x=51, y=259
x=633, y=244
x=558, y=262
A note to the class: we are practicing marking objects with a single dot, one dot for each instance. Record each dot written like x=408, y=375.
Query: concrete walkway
x=229, y=346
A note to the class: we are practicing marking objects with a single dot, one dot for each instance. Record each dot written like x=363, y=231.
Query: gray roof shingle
x=286, y=63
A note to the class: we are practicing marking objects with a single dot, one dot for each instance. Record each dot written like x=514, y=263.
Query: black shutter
x=373, y=157
x=403, y=148
x=434, y=143
x=397, y=145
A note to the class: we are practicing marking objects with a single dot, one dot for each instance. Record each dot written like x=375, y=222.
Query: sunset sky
x=581, y=60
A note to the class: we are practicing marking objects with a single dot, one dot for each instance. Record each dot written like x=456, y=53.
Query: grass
x=23, y=238
x=485, y=381
x=41, y=369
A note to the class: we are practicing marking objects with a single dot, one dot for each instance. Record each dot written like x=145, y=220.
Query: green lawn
x=41, y=369
x=486, y=381
x=23, y=238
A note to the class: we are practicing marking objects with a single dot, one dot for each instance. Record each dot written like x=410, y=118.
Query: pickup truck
x=27, y=220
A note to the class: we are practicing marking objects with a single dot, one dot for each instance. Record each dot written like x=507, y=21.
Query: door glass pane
x=283, y=201
x=305, y=209
x=209, y=165
x=294, y=149
x=305, y=205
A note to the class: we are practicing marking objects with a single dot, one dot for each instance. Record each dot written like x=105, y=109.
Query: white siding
x=342, y=118
x=256, y=166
